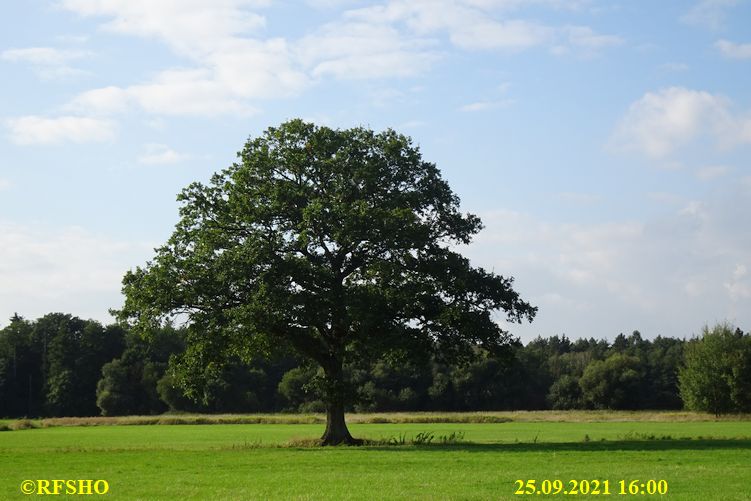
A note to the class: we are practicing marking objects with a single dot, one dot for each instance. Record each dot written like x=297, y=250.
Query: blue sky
x=605, y=145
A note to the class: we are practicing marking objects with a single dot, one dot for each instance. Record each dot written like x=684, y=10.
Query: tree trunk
x=336, y=427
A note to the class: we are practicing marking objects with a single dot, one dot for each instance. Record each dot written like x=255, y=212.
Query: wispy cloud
x=732, y=50
x=160, y=154
x=329, y=4
x=355, y=49
x=232, y=62
x=188, y=27
x=466, y=25
x=712, y=172
x=105, y=100
x=479, y=25
x=46, y=269
x=709, y=13
x=660, y=122
x=48, y=62
x=411, y=124
x=31, y=129
x=486, y=105
x=5, y=184
x=739, y=286
x=583, y=40
x=621, y=272
x=674, y=66
x=401, y=38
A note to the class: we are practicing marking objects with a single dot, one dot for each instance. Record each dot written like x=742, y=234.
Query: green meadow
x=700, y=459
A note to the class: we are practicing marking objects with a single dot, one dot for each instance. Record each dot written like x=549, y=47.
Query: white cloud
x=329, y=4
x=43, y=56
x=660, y=122
x=411, y=124
x=72, y=39
x=188, y=26
x=712, y=172
x=401, y=38
x=257, y=69
x=584, y=38
x=230, y=69
x=674, y=66
x=233, y=64
x=48, y=62
x=503, y=87
x=32, y=129
x=739, y=287
x=486, y=105
x=485, y=33
x=695, y=210
x=62, y=269
x=357, y=49
x=160, y=154
x=187, y=92
x=510, y=5
x=709, y=13
x=172, y=92
x=734, y=50
x=477, y=25
x=668, y=275
x=384, y=96
x=104, y=100
x=467, y=26
x=5, y=184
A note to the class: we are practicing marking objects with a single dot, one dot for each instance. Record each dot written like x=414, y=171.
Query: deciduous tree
x=716, y=376
x=337, y=243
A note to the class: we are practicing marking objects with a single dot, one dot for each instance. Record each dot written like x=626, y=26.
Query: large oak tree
x=336, y=243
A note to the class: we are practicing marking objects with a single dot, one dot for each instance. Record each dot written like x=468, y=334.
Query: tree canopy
x=338, y=244
x=716, y=376
x=115, y=370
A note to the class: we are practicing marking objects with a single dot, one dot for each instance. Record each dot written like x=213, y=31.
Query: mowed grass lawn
x=699, y=460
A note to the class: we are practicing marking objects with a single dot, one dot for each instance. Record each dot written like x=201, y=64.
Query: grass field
x=699, y=458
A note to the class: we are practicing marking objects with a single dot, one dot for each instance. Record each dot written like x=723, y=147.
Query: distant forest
x=61, y=365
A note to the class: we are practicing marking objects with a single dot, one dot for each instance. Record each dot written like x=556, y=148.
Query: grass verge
x=380, y=418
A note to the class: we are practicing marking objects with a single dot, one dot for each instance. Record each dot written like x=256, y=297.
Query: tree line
x=61, y=365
